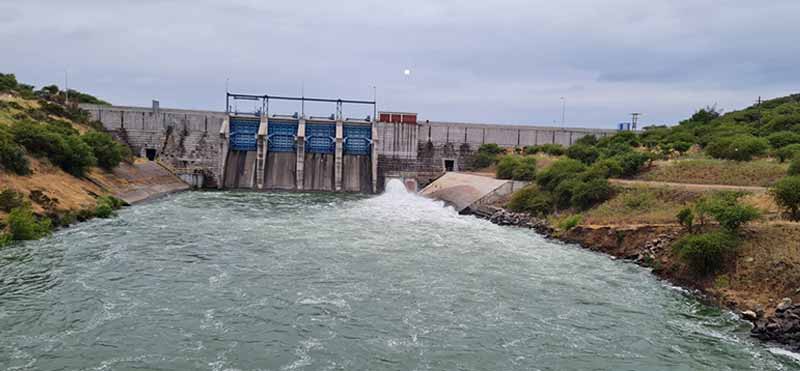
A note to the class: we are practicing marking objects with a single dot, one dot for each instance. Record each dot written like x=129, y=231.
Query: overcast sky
x=502, y=61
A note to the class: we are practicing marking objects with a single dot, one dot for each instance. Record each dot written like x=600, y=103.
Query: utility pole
x=634, y=119
x=563, y=111
x=66, y=88
x=374, y=103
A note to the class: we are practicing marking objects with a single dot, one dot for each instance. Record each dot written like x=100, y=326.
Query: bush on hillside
x=587, y=140
x=705, y=253
x=632, y=162
x=615, y=149
x=8, y=82
x=67, y=151
x=531, y=200
x=486, y=155
x=22, y=225
x=570, y=222
x=783, y=139
x=109, y=153
x=560, y=170
x=686, y=218
x=627, y=138
x=786, y=193
x=737, y=147
x=605, y=168
x=10, y=199
x=12, y=157
x=726, y=209
x=506, y=166
x=587, y=194
x=786, y=152
x=525, y=170
x=552, y=149
x=680, y=146
x=583, y=153
x=794, y=166
x=562, y=194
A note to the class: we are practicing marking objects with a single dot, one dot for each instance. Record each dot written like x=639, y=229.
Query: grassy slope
x=760, y=172
x=64, y=190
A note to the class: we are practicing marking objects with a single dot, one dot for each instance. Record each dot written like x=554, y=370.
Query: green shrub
x=481, y=160
x=631, y=162
x=10, y=199
x=740, y=147
x=615, y=149
x=531, y=200
x=531, y=150
x=726, y=209
x=794, y=167
x=22, y=225
x=587, y=140
x=67, y=151
x=106, y=206
x=626, y=138
x=12, y=157
x=680, y=146
x=605, y=168
x=705, y=253
x=103, y=210
x=5, y=239
x=786, y=152
x=525, y=170
x=109, y=153
x=783, y=139
x=506, y=166
x=786, y=193
x=562, y=194
x=587, y=194
x=583, y=153
x=570, y=222
x=8, y=82
x=686, y=218
x=491, y=148
x=560, y=170
x=552, y=149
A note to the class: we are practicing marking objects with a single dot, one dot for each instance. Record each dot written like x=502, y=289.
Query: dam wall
x=298, y=153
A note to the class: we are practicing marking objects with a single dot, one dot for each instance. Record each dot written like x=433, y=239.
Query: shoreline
x=778, y=327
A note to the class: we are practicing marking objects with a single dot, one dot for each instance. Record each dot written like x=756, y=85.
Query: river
x=297, y=281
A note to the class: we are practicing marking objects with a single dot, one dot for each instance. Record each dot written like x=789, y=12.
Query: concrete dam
x=262, y=151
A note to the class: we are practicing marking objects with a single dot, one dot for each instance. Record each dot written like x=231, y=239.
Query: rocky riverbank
x=648, y=245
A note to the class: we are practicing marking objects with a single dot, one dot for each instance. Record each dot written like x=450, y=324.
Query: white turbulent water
x=290, y=281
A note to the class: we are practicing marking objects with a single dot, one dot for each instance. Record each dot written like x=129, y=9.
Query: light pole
x=563, y=111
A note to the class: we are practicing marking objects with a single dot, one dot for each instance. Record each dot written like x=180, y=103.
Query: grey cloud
x=500, y=61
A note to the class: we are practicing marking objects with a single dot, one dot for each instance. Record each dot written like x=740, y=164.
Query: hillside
x=58, y=167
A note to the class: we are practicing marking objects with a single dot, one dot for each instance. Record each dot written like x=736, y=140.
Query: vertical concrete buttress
x=301, y=154
x=262, y=148
x=374, y=157
x=223, y=151
x=337, y=168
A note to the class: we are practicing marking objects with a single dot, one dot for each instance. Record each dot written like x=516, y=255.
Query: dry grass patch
x=710, y=171
x=641, y=205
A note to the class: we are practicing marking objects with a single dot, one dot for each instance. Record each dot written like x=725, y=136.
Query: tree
x=587, y=194
x=786, y=193
x=705, y=253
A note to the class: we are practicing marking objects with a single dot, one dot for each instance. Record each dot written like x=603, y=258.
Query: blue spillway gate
x=357, y=140
x=243, y=133
x=321, y=138
x=281, y=136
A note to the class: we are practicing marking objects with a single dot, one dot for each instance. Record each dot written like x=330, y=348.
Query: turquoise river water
x=293, y=281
